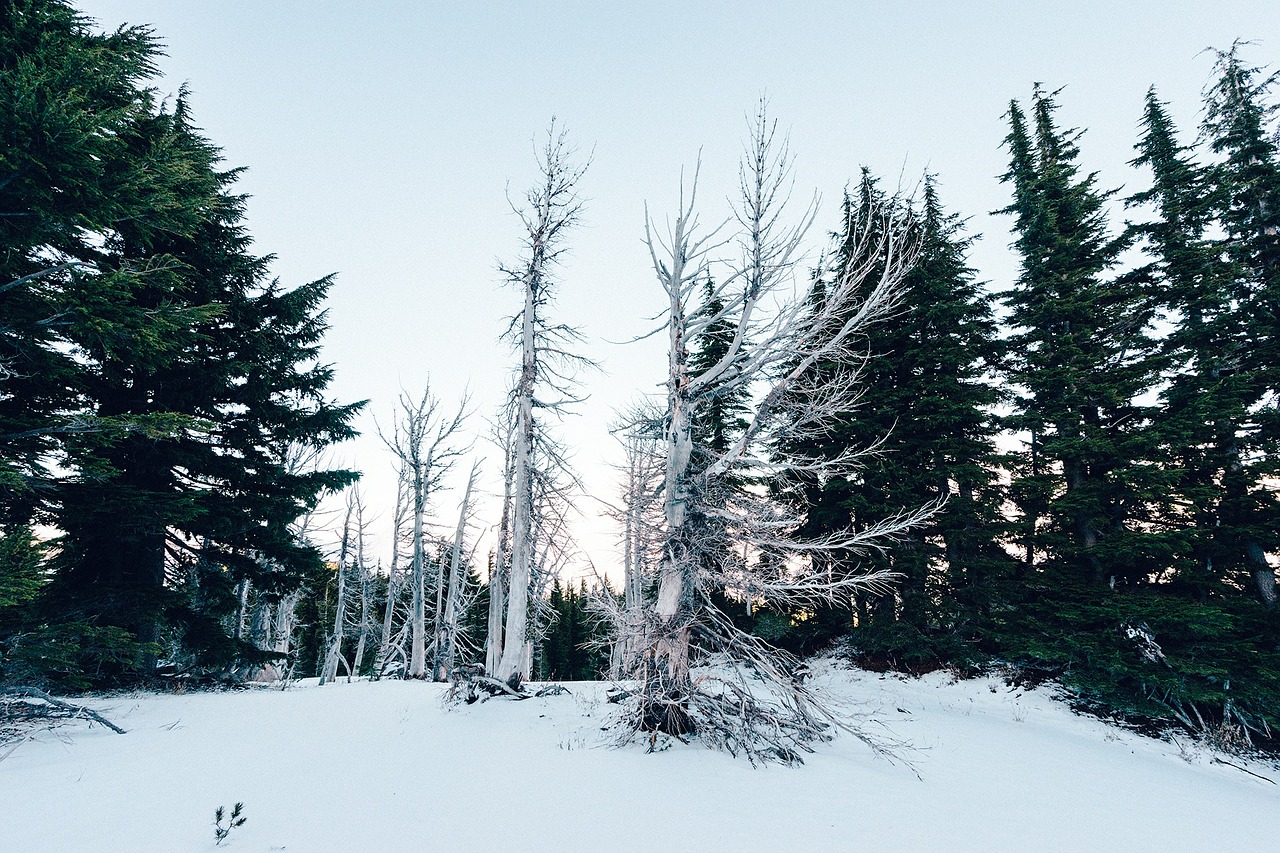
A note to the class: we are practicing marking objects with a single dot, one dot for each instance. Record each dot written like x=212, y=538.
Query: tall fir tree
x=1080, y=356
x=827, y=501
x=714, y=429
x=573, y=648
x=1204, y=400
x=943, y=446
x=71, y=97
x=1166, y=636
x=927, y=408
x=1240, y=125
x=152, y=360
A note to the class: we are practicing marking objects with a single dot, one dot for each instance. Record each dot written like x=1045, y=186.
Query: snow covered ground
x=387, y=767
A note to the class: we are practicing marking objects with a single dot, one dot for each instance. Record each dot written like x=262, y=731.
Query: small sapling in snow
x=221, y=832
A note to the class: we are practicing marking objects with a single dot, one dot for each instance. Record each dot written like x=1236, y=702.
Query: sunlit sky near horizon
x=382, y=140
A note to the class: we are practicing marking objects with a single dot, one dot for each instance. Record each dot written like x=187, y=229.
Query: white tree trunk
x=546, y=361
x=423, y=442
x=366, y=597
x=333, y=652
x=775, y=369
x=499, y=573
x=418, y=629
x=395, y=581
x=497, y=605
x=448, y=639
x=512, y=666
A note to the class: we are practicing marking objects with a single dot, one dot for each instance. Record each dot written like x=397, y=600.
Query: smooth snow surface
x=386, y=767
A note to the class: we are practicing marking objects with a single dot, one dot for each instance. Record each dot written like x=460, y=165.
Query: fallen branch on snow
x=72, y=709
x=1216, y=760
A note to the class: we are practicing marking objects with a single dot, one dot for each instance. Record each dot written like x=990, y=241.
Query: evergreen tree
x=927, y=407
x=20, y=570
x=827, y=502
x=1172, y=638
x=71, y=98
x=714, y=428
x=1080, y=357
x=1240, y=127
x=242, y=380
x=721, y=420
x=573, y=648
x=933, y=367
x=145, y=352
x=1204, y=401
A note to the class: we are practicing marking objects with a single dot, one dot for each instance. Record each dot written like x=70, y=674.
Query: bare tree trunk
x=639, y=493
x=437, y=615
x=511, y=668
x=553, y=207
x=791, y=402
x=283, y=625
x=261, y=621
x=497, y=605
x=500, y=571
x=242, y=608
x=665, y=666
x=366, y=595
x=619, y=653
x=394, y=581
x=447, y=638
x=334, y=650
x=422, y=439
x=418, y=627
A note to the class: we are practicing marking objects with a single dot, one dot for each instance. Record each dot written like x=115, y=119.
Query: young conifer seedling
x=221, y=832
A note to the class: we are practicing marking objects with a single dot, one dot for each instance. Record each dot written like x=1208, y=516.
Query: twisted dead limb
x=74, y=710
x=695, y=673
x=742, y=696
x=470, y=680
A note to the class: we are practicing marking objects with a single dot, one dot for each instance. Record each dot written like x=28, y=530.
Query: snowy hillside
x=385, y=766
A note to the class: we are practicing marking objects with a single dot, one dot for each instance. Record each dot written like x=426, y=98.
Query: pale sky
x=381, y=139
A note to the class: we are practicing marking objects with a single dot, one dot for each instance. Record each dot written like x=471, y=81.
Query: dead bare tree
x=639, y=516
x=446, y=644
x=363, y=620
x=500, y=561
x=703, y=499
x=59, y=707
x=426, y=442
x=389, y=645
x=351, y=534
x=544, y=380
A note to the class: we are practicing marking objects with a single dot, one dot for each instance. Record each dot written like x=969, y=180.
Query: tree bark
x=512, y=664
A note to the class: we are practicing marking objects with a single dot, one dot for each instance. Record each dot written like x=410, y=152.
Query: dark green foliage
x=71, y=656
x=314, y=620
x=1240, y=125
x=236, y=819
x=1080, y=357
x=70, y=99
x=20, y=569
x=1123, y=547
x=1189, y=281
x=926, y=408
x=1135, y=540
x=574, y=646
x=720, y=422
x=1150, y=654
x=155, y=384
x=715, y=427
x=474, y=623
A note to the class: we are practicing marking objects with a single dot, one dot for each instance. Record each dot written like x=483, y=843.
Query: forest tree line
x=1091, y=451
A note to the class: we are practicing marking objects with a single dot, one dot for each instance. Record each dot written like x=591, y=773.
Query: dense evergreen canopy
x=156, y=381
